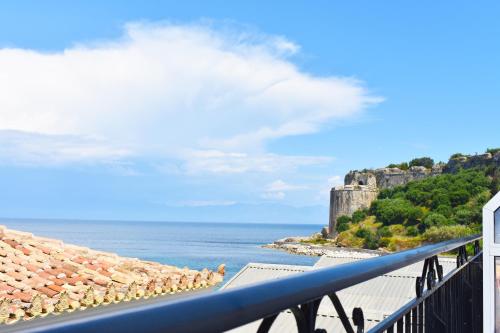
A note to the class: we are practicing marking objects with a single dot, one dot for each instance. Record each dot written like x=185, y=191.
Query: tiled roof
x=40, y=275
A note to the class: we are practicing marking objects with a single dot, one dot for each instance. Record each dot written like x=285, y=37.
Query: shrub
x=362, y=233
x=459, y=197
x=397, y=229
x=457, y=155
x=342, y=223
x=439, y=234
x=371, y=242
x=403, y=243
x=464, y=216
x=426, y=162
x=436, y=219
x=444, y=210
x=439, y=197
x=359, y=216
x=342, y=227
x=412, y=231
x=343, y=219
x=492, y=151
x=384, y=241
x=347, y=239
x=384, y=232
x=402, y=166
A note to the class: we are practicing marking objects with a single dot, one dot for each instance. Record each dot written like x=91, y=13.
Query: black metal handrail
x=224, y=310
x=412, y=306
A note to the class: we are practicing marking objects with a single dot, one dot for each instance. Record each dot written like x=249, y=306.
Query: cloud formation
x=210, y=98
x=277, y=189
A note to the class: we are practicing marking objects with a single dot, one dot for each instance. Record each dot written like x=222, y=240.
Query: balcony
x=448, y=297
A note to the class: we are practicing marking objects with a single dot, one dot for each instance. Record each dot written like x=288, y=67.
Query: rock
x=316, y=235
x=472, y=161
x=221, y=269
x=324, y=232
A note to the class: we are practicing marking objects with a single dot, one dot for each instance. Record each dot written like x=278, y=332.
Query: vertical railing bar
x=408, y=322
x=399, y=325
x=414, y=319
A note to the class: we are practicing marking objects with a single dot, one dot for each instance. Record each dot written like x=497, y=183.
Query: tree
x=492, y=151
x=458, y=197
x=436, y=220
x=426, y=162
x=464, y=216
x=395, y=211
x=457, y=155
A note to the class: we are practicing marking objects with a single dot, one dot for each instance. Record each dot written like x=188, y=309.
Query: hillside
x=433, y=209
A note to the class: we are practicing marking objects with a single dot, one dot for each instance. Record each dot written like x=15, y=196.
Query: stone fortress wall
x=361, y=188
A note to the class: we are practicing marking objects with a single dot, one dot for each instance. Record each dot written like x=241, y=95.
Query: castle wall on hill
x=347, y=199
x=390, y=177
x=472, y=161
x=361, y=188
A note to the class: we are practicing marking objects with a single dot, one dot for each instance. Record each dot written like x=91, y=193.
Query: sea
x=193, y=244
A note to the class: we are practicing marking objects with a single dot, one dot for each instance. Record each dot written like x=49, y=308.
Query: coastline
x=299, y=246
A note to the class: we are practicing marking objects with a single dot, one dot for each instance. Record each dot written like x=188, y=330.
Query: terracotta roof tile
x=40, y=275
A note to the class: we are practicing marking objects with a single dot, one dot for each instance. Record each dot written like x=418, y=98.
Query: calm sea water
x=196, y=245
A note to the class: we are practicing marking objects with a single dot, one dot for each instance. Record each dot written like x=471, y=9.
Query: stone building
x=361, y=188
x=345, y=200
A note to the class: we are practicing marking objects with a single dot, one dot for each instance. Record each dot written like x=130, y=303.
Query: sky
x=244, y=111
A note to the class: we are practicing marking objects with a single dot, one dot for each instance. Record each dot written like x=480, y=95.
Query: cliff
x=472, y=161
x=361, y=188
x=390, y=177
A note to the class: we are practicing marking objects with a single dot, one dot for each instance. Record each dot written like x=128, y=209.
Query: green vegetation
x=457, y=155
x=426, y=162
x=493, y=151
x=425, y=211
x=318, y=240
x=402, y=166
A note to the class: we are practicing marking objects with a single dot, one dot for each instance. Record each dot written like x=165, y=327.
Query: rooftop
x=378, y=297
x=39, y=276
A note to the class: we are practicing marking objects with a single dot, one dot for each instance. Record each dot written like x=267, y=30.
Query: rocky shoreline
x=300, y=246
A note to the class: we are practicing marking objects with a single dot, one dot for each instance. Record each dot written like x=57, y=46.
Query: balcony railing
x=450, y=303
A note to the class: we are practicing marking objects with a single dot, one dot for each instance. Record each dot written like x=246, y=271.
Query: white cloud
x=324, y=189
x=281, y=186
x=273, y=195
x=334, y=181
x=278, y=188
x=32, y=148
x=216, y=161
x=212, y=98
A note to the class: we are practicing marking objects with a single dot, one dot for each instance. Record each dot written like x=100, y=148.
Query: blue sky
x=241, y=112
